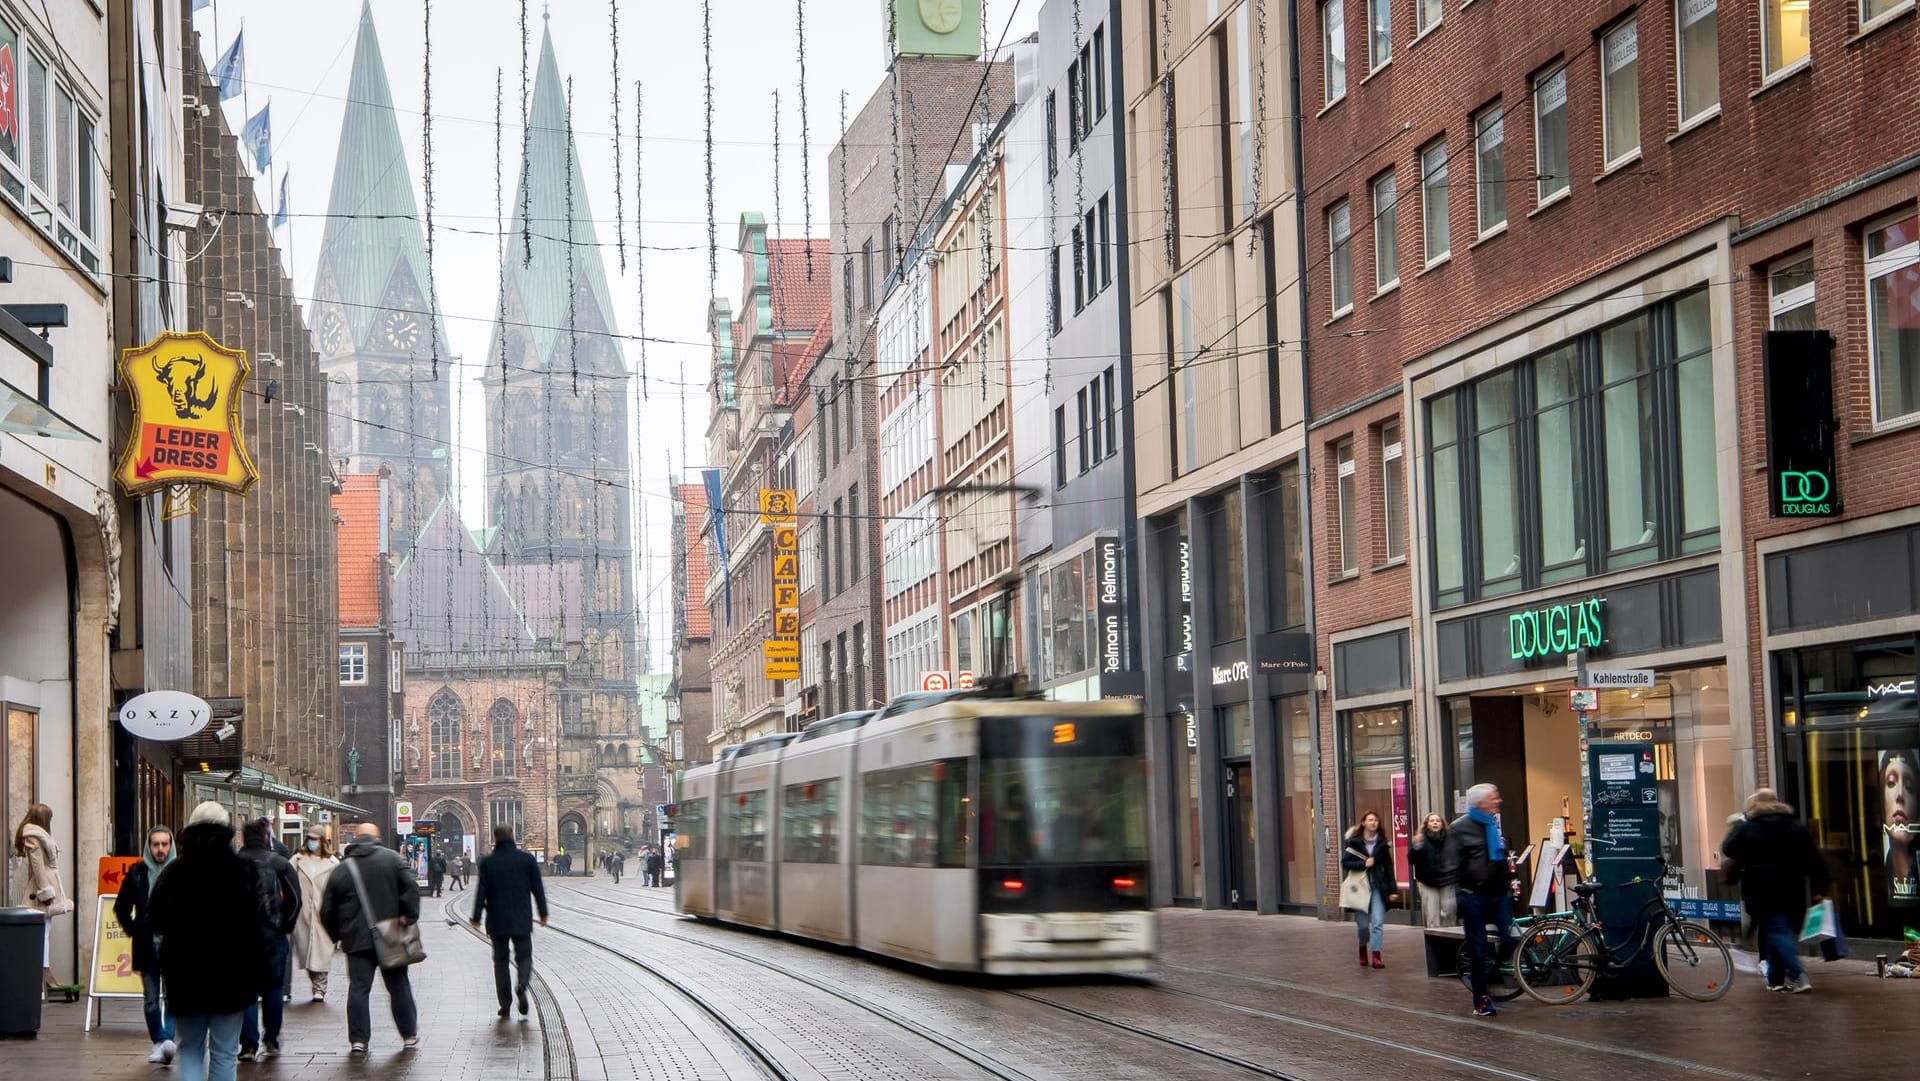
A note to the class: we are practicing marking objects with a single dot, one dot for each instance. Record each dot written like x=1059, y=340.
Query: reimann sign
x=1113, y=650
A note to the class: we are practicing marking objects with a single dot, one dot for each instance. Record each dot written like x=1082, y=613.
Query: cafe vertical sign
x=184, y=391
x=780, y=651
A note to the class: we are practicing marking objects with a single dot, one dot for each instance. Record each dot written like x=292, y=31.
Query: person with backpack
x=210, y=972
x=133, y=909
x=373, y=884
x=1773, y=859
x=279, y=887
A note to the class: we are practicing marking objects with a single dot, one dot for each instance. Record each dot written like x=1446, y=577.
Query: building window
x=1698, y=66
x=1080, y=406
x=1060, y=446
x=1393, y=473
x=1349, y=535
x=1871, y=10
x=1053, y=290
x=1285, y=556
x=1099, y=103
x=1550, y=135
x=1097, y=414
x=1559, y=432
x=856, y=528
x=1620, y=92
x=1379, y=33
x=1340, y=256
x=1448, y=497
x=396, y=669
x=505, y=739
x=866, y=274
x=1490, y=168
x=963, y=642
x=1053, y=148
x=1106, y=242
x=1496, y=471
x=353, y=664
x=1790, y=294
x=1426, y=15
x=1893, y=316
x=1112, y=412
x=1079, y=267
x=1386, y=233
x=1786, y=39
x=1433, y=202
x=507, y=811
x=54, y=135
x=1227, y=569
x=445, y=719
x=1333, y=48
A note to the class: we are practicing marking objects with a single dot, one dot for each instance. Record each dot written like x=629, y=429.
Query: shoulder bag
x=396, y=943
x=1356, y=893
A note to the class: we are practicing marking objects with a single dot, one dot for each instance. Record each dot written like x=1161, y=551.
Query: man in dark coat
x=131, y=909
x=508, y=888
x=1774, y=860
x=392, y=892
x=436, y=872
x=1474, y=864
x=279, y=886
x=206, y=914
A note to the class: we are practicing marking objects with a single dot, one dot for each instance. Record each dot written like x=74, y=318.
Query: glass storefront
x=1299, y=854
x=1849, y=732
x=1377, y=777
x=1186, y=806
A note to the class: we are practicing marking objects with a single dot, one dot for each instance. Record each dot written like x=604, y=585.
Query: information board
x=113, y=975
x=1624, y=838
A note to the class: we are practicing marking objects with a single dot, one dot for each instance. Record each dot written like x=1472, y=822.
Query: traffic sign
x=934, y=681
x=1583, y=699
x=963, y=680
x=403, y=817
x=1620, y=678
x=781, y=669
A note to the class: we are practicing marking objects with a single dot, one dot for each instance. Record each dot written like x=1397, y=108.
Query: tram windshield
x=1053, y=791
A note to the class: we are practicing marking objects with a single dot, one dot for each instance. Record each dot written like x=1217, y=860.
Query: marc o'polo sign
x=165, y=716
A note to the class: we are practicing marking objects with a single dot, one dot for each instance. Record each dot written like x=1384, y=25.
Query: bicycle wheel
x=1556, y=961
x=1693, y=960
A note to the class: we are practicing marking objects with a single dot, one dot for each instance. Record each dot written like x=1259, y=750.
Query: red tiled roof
x=358, y=508
x=693, y=497
x=800, y=299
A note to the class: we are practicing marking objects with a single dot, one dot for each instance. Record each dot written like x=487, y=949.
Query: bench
x=1443, y=950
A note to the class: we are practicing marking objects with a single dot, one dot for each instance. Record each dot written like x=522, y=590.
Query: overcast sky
x=299, y=56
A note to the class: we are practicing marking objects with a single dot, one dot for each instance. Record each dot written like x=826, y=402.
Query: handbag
x=396, y=943
x=1356, y=893
x=1821, y=923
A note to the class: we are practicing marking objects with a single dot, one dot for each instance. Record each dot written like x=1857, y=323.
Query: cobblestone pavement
x=629, y=992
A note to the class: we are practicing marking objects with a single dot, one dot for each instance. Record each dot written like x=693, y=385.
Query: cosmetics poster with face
x=1899, y=785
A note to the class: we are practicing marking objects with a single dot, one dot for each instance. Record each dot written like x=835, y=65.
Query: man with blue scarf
x=1475, y=863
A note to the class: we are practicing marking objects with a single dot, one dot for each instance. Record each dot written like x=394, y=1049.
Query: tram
x=979, y=830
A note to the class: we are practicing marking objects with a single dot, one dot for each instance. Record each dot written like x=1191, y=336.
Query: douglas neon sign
x=1556, y=629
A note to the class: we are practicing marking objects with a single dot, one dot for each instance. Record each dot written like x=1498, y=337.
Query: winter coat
x=392, y=892
x=1465, y=864
x=1353, y=857
x=1773, y=859
x=134, y=910
x=508, y=888
x=44, y=888
x=312, y=946
x=1423, y=857
x=206, y=911
x=280, y=887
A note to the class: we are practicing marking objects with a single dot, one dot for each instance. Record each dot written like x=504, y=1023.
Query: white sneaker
x=159, y=1053
x=1799, y=985
x=168, y=1049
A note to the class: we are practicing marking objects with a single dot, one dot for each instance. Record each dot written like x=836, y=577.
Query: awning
x=248, y=779
x=22, y=414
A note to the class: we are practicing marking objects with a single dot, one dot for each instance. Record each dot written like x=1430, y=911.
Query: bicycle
x=1557, y=959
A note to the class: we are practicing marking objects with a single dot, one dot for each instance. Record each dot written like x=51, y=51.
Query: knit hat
x=210, y=813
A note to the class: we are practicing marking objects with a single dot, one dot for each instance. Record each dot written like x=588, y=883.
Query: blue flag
x=231, y=69
x=258, y=137
x=280, y=215
x=716, y=508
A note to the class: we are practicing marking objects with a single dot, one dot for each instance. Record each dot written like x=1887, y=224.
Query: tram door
x=1240, y=827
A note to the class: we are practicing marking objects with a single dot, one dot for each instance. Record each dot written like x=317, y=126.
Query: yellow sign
x=185, y=393
x=776, y=505
x=113, y=974
x=786, y=538
x=781, y=670
x=786, y=567
x=786, y=624
x=779, y=649
x=786, y=595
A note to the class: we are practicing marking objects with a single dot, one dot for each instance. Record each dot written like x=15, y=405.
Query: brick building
x=372, y=658
x=690, y=696
x=1538, y=297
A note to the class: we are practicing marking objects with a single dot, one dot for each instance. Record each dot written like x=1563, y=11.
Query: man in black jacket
x=1774, y=860
x=509, y=883
x=1474, y=863
x=203, y=913
x=391, y=892
x=279, y=890
x=131, y=909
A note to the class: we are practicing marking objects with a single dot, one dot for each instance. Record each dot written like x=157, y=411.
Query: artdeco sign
x=185, y=394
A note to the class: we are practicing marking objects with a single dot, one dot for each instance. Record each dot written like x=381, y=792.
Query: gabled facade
x=372, y=658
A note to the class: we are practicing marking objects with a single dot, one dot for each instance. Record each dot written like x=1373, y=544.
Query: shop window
x=1374, y=742
x=21, y=781
x=1298, y=852
x=1186, y=805
x=1227, y=566
x=1176, y=578
x=1893, y=317
x=1236, y=730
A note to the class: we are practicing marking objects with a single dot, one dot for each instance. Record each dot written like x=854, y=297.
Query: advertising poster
x=113, y=974
x=1899, y=776
x=1402, y=825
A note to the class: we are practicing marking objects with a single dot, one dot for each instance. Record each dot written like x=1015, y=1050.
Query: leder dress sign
x=184, y=390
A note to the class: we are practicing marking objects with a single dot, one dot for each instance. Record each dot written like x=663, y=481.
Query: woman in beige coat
x=33, y=843
x=312, y=949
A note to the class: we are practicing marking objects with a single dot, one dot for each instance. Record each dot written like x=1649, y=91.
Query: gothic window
x=445, y=718
x=505, y=810
x=504, y=738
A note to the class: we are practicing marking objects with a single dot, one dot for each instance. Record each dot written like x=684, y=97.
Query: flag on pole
x=280, y=214
x=258, y=135
x=231, y=69
x=715, y=493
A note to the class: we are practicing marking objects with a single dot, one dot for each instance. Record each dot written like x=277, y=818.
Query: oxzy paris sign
x=185, y=394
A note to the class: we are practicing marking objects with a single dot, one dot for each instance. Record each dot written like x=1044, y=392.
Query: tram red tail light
x=1012, y=885
x=1124, y=883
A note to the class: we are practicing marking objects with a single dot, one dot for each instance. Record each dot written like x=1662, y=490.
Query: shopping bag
x=1835, y=948
x=1356, y=895
x=1821, y=924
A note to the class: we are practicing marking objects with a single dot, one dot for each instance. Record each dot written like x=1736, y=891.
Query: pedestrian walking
x=133, y=909
x=508, y=890
x=279, y=888
x=617, y=863
x=1474, y=864
x=372, y=884
x=1423, y=858
x=203, y=913
x=457, y=871
x=1773, y=859
x=436, y=872
x=1369, y=850
x=651, y=866
x=33, y=842
x=312, y=946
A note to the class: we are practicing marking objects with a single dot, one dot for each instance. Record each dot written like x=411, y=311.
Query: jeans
x=1372, y=923
x=360, y=970
x=522, y=963
x=1780, y=949
x=159, y=1025
x=1476, y=911
x=272, y=1002
x=208, y=1035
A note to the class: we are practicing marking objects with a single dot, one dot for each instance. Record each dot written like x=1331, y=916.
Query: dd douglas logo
x=1805, y=493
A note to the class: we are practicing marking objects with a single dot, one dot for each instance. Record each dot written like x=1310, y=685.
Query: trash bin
x=20, y=950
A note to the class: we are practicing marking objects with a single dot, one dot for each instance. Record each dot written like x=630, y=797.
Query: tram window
x=1063, y=810
x=690, y=829
x=810, y=823
x=745, y=836
x=916, y=816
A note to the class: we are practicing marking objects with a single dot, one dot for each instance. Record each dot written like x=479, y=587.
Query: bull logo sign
x=185, y=393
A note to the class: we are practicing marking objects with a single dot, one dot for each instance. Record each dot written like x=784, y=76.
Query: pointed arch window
x=506, y=810
x=502, y=717
x=445, y=719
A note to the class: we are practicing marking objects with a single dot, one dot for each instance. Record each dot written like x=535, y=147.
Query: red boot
x=1363, y=955
x=1377, y=962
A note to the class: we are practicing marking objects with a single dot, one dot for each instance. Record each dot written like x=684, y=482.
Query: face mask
x=313, y=846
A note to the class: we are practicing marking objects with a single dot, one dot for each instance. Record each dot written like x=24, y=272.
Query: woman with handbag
x=33, y=842
x=1368, y=886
